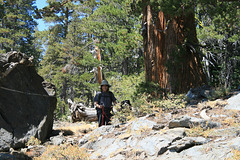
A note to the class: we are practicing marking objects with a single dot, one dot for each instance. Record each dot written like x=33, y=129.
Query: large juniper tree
x=170, y=45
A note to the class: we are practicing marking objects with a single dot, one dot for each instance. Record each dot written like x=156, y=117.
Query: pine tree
x=117, y=29
x=67, y=62
x=219, y=37
x=17, y=27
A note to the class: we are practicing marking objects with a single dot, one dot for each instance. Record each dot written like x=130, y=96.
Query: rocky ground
x=206, y=130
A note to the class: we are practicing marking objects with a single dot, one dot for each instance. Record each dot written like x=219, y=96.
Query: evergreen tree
x=219, y=37
x=117, y=28
x=17, y=27
x=67, y=61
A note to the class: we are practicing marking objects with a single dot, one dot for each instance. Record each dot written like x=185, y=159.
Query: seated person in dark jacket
x=103, y=102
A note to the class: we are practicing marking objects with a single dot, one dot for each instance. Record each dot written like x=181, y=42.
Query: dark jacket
x=105, y=98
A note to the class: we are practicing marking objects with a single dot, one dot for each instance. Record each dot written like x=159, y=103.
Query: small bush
x=219, y=93
x=124, y=87
x=150, y=88
x=171, y=101
x=196, y=131
x=122, y=115
x=143, y=105
x=33, y=141
x=147, y=104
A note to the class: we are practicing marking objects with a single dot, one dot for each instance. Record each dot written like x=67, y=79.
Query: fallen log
x=79, y=112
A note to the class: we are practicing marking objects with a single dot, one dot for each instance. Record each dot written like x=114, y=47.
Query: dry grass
x=33, y=141
x=196, y=131
x=122, y=115
x=133, y=154
x=67, y=151
x=72, y=152
x=124, y=136
x=77, y=130
x=236, y=155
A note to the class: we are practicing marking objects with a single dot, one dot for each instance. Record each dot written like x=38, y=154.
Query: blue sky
x=40, y=4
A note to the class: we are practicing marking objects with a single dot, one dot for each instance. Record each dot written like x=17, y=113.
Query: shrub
x=196, y=131
x=124, y=87
x=122, y=115
x=219, y=93
x=33, y=141
x=171, y=101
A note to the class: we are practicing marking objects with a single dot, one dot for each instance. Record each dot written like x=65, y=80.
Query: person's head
x=105, y=86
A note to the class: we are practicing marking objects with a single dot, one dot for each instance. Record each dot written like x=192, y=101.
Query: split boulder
x=26, y=102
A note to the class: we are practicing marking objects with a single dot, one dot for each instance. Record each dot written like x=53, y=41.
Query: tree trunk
x=169, y=54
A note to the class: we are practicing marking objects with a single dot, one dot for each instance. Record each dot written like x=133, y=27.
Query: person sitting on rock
x=103, y=102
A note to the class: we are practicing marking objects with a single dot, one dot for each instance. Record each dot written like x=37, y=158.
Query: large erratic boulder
x=27, y=102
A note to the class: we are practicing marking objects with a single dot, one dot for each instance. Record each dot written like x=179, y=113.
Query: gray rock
x=158, y=127
x=157, y=144
x=142, y=123
x=57, y=140
x=227, y=132
x=175, y=132
x=102, y=147
x=14, y=156
x=194, y=153
x=233, y=102
x=152, y=145
x=6, y=156
x=132, y=141
x=103, y=130
x=199, y=92
x=106, y=147
x=102, y=143
x=208, y=150
x=119, y=156
x=6, y=137
x=186, y=142
x=187, y=121
x=191, y=95
x=26, y=109
x=211, y=124
x=235, y=143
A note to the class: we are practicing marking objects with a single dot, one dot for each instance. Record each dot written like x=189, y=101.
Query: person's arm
x=97, y=105
x=96, y=99
x=114, y=100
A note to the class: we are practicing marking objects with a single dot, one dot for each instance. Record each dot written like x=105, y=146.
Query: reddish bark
x=99, y=68
x=168, y=60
